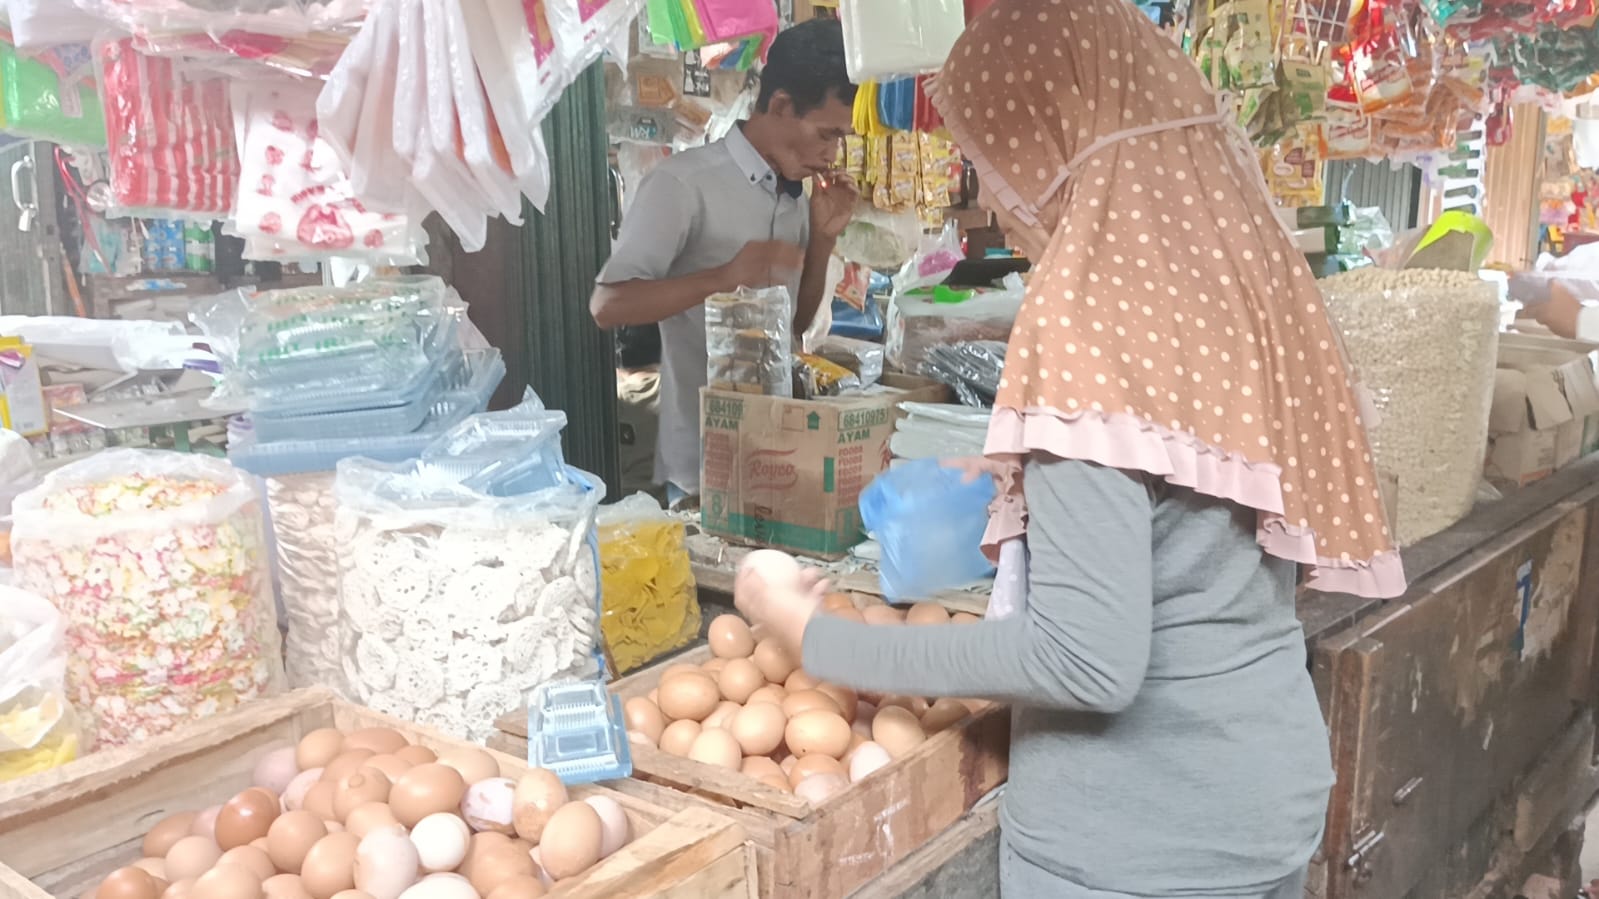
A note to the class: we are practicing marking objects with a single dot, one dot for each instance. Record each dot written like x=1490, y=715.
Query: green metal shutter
x=1397, y=192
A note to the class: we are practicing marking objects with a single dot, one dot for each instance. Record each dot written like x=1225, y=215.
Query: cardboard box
x=788, y=474
x=1545, y=412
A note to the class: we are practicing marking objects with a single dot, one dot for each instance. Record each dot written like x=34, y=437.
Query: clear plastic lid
x=575, y=729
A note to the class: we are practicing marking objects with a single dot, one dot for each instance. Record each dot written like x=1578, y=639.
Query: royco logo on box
x=789, y=473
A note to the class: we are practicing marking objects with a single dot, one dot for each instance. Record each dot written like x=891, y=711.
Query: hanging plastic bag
x=523, y=140
x=583, y=28
x=41, y=24
x=52, y=96
x=477, y=140
x=886, y=39
x=158, y=563
x=651, y=604
x=528, y=44
x=920, y=560
x=38, y=728
x=734, y=21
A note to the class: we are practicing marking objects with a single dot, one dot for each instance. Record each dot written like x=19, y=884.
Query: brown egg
x=654, y=696
x=317, y=748
x=190, y=857
x=846, y=699
x=897, y=730
x=182, y=889
x=723, y=716
x=319, y=799
x=391, y=765
x=330, y=865
x=369, y=816
x=730, y=638
x=481, y=844
x=815, y=764
x=773, y=660
x=677, y=668
x=835, y=601
x=538, y=796
x=259, y=843
x=810, y=700
x=644, y=717
x=571, y=843
x=713, y=667
x=205, y=822
x=228, y=882
x=128, y=883
x=964, y=618
x=800, y=680
x=417, y=755
x=518, y=887
x=495, y=867
x=167, y=831
x=788, y=762
x=155, y=867
x=758, y=728
x=943, y=713
x=378, y=739
x=689, y=697
x=777, y=782
x=246, y=817
x=473, y=764
x=426, y=789
x=916, y=705
x=717, y=747
x=772, y=693
x=759, y=766
x=352, y=894
x=365, y=785
x=882, y=615
x=927, y=613
x=250, y=858
x=291, y=837
x=738, y=679
x=284, y=886
x=347, y=763
x=679, y=736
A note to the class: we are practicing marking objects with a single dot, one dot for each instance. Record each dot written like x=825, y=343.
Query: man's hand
x=833, y=198
x=765, y=263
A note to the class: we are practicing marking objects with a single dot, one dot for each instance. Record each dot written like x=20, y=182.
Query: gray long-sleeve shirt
x=1166, y=738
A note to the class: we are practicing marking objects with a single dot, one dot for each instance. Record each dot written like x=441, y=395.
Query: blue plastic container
x=930, y=525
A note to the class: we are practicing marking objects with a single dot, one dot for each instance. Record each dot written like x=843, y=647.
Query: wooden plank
x=960, y=863
x=63, y=830
x=1438, y=699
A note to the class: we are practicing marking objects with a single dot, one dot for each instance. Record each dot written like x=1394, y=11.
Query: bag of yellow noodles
x=650, y=603
x=38, y=729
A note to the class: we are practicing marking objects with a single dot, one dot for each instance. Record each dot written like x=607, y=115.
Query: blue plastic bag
x=930, y=525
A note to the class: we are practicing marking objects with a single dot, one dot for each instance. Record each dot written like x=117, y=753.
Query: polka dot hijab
x=1170, y=326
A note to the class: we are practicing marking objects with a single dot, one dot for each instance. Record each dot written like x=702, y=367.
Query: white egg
x=868, y=757
x=385, y=863
x=488, y=805
x=441, y=840
x=615, y=828
x=441, y=886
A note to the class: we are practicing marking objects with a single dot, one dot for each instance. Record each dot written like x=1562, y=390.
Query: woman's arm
x=1083, y=642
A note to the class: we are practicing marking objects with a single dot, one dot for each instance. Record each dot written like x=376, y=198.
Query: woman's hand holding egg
x=774, y=590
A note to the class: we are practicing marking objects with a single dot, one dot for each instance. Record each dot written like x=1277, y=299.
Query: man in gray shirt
x=730, y=215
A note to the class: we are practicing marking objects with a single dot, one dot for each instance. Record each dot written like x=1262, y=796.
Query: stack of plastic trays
x=575, y=729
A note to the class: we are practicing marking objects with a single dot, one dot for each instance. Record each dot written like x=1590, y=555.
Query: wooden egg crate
x=824, y=851
x=63, y=831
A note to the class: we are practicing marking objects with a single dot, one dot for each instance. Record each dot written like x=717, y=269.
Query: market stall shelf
x=60, y=832
x=830, y=850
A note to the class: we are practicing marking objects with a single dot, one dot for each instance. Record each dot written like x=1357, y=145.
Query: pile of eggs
x=368, y=815
x=752, y=709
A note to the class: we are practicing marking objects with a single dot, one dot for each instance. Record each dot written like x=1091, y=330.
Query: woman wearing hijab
x=1176, y=430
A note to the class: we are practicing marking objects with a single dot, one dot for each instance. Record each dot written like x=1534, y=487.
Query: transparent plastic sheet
x=215, y=17
x=507, y=117
x=507, y=453
x=583, y=28
x=158, y=563
x=972, y=370
x=455, y=606
x=169, y=136
x=542, y=70
x=278, y=345
x=936, y=256
x=749, y=339
x=477, y=139
x=303, y=508
x=919, y=561
x=1426, y=345
x=918, y=323
x=889, y=39
x=879, y=239
x=301, y=202
x=439, y=175
x=651, y=603
x=40, y=24
x=39, y=730
x=863, y=357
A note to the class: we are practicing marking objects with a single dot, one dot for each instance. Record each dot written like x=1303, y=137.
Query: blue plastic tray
x=327, y=389
x=248, y=450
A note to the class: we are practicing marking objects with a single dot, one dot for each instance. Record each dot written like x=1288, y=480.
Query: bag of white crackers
x=456, y=605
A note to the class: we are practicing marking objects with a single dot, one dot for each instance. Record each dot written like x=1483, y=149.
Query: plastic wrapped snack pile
x=157, y=562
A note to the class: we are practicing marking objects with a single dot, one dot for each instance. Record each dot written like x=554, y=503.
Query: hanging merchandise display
x=886, y=39
x=735, y=34
x=51, y=96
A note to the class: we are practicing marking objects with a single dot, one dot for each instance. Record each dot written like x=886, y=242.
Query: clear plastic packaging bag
x=158, y=563
x=1425, y=343
x=917, y=323
x=38, y=728
x=879, y=239
x=584, y=28
x=528, y=45
x=863, y=357
x=889, y=39
x=507, y=453
x=749, y=339
x=302, y=508
x=920, y=559
x=456, y=605
x=41, y=24
x=972, y=369
x=651, y=603
x=508, y=120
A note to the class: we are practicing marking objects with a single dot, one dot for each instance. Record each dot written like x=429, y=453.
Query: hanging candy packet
x=296, y=199
x=1379, y=73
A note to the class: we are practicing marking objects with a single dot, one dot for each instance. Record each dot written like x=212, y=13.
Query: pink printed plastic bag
x=726, y=21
